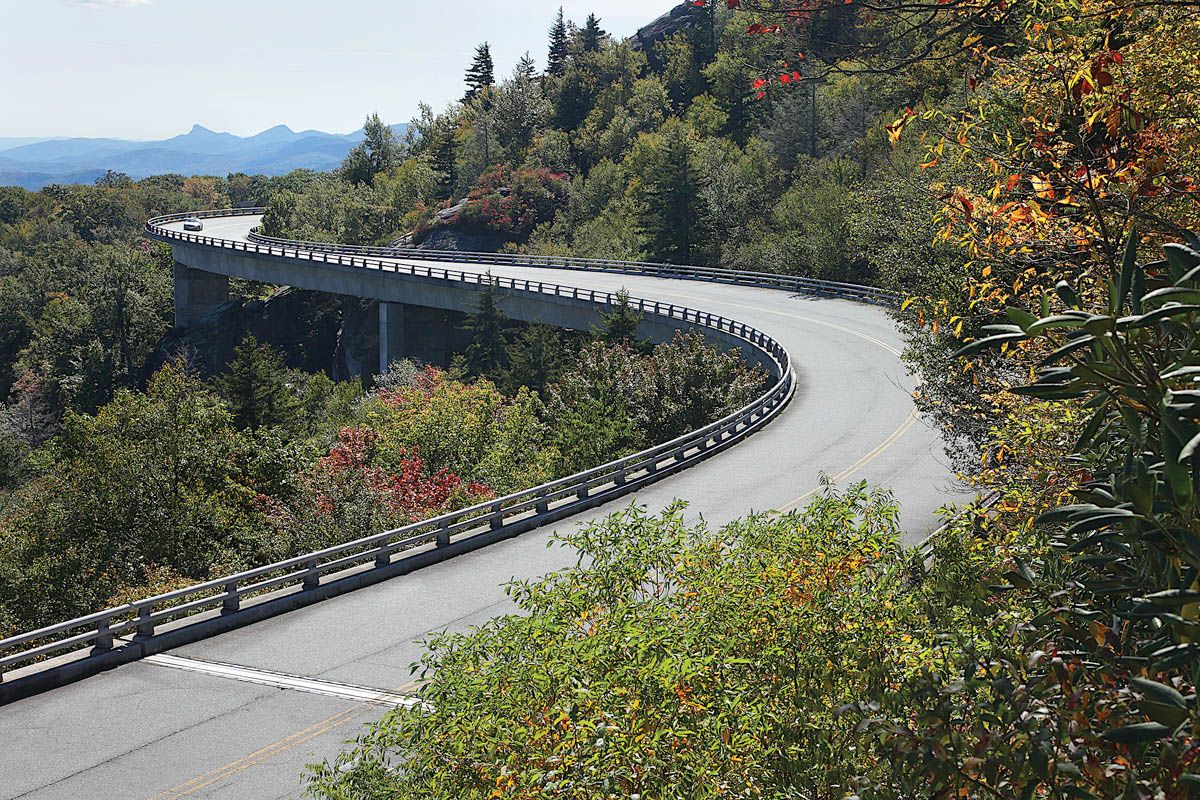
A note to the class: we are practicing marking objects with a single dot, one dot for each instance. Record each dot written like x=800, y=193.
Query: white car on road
x=193, y=224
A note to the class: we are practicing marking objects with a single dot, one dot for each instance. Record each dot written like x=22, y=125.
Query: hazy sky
x=149, y=69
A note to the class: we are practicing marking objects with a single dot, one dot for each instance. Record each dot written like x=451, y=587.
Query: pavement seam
x=133, y=750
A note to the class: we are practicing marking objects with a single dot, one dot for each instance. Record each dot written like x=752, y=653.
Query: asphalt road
x=153, y=730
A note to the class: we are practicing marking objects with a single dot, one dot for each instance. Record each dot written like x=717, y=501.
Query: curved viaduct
x=239, y=714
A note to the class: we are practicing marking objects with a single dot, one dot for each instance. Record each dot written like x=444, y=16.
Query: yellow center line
x=270, y=751
x=895, y=436
x=883, y=446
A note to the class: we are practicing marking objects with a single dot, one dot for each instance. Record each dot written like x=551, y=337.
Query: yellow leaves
x=1042, y=187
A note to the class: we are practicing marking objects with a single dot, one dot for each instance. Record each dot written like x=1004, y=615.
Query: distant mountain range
x=33, y=163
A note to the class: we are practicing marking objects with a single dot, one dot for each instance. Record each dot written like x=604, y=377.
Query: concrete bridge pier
x=197, y=293
x=391, y=334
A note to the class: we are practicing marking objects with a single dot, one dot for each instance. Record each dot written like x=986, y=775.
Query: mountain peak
x=279, y=133
x=201, y=132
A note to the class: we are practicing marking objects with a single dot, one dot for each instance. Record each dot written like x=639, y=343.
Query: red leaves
x=761, y=84
x=967, y=205
x=962, y=200
x=758, y=28
x=409, y=493
x=1097, y=75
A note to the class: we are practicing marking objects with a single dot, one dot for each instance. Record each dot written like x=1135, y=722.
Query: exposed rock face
x=357, y=350
x=456, y=238
x=679, y=18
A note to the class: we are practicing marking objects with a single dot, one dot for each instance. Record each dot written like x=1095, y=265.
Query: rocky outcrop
x=452, y=237
x=680, y=18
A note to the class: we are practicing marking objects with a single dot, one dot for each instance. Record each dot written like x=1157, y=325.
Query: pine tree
x=556, y=62
x=675, y=215
x=536, y=358
x=444, y=155
x=258, y=387
x=481, y=74
x=620, y=325
x=704, y=33
x=525, y=70
x=592, y=34
x=486, y=354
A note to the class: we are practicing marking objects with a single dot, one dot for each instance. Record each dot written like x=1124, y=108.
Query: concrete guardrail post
x=311, y=579
x=145, y=625
x=232, y=600
x=104, y=637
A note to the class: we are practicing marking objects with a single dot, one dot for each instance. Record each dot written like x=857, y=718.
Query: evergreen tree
x=481, y=74
x=258, y=388
x=486, y=354
x=536, y=358
x=525, y=70
x=674, y=219
x=445, y=154
x=556, y=62
x=704, y=33
x=592, y=34
x=620, y=325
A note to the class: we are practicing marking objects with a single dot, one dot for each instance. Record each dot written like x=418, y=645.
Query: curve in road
x=189, y=729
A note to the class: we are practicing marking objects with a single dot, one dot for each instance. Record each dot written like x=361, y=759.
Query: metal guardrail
x=769, y=280
x=551, y=500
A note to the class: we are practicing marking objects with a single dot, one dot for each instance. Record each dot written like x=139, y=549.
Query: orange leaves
x=896, y=128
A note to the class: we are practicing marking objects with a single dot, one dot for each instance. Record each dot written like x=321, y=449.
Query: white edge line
x=358, y=694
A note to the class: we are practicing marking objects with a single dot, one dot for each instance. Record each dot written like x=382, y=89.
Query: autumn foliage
x=410, y=493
